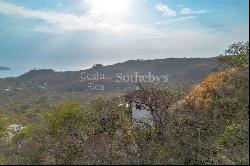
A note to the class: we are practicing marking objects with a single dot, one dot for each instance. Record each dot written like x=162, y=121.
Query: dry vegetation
x=207, y=126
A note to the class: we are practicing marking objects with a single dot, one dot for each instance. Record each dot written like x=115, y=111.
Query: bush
x=2, y=128
x=237, y=55
x=231, y=136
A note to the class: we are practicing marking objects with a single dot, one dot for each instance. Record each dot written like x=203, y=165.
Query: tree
x=237, y=55
x=98, y=66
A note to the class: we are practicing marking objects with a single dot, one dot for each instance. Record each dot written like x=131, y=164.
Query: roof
x=14, y=126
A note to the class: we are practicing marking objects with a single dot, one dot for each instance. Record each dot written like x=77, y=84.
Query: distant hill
x=45, y=87
x=181, y=71
x=4, y=68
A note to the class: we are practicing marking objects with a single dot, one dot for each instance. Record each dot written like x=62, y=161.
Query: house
x=141, y=115
x=14, y=127
x=11, y=131
x=42, y=87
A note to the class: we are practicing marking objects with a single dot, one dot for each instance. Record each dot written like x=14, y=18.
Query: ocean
x=13, y=72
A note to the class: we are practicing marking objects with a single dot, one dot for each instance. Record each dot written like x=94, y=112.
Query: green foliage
x=237, y=55
x=231, y=136
x=2, y=128
x=148, y=133
x=101, y=131
x=235, y=60
x=26, y=133
x=66, y=118
x=2, y=160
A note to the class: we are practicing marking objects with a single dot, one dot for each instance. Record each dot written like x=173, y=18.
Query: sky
x=75, y=34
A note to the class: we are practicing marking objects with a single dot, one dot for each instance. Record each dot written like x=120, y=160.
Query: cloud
x=187, y=11
x=177, y=19
x=109, y=8
x=143, y=40
x=167, y=11
x=64, y=22
x=58, y=23
x=59, y=4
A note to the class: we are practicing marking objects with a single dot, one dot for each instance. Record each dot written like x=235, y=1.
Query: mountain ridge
x=186, y=71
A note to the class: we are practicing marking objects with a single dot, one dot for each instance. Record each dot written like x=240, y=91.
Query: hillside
x=124, y=82
x=39, y=89
x=182, y=71
x=209, y=126
x=215, y=114
x=64, y=124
